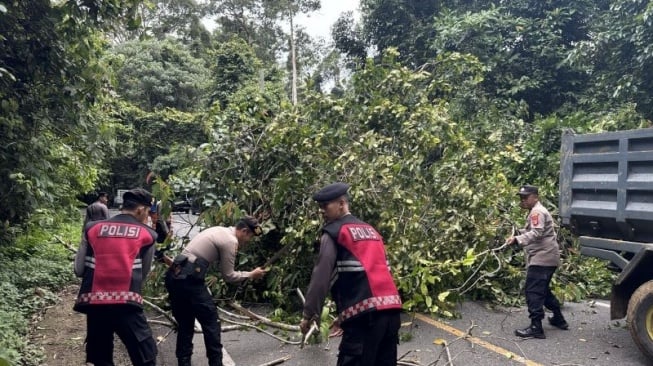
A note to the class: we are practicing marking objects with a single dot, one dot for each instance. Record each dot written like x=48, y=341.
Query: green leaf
x=428, y=301
x=470, y=258
x=443, y=296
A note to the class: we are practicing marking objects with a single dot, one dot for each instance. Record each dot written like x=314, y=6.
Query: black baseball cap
x=527, y=190
x=331, y=192
x=139, y=196
x=253, y=224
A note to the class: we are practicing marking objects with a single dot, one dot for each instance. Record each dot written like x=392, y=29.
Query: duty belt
x=182, y=268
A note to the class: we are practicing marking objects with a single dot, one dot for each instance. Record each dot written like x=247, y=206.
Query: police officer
x=113, y=259
x=538, y=238
x=352, y=254
x=189, y=297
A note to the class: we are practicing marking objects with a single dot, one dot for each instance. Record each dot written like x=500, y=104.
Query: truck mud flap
x=638, y=271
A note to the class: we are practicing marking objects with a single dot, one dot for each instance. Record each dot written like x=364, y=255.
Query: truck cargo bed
x=606, y=184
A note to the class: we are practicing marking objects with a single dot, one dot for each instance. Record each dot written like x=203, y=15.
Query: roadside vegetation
x=433, y=114
x=33, y=271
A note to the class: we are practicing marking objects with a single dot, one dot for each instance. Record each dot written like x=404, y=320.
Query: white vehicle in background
x=117, y=200
x=188, y=204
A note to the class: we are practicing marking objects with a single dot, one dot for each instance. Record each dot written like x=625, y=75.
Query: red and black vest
x=114, y=254
x=363, y=282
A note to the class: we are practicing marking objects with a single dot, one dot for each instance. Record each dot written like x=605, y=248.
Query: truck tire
x=640, y=318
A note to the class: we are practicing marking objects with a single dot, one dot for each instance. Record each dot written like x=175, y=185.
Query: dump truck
x=606, y=199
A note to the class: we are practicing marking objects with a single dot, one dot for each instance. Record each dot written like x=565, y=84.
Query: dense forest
x=433, y=111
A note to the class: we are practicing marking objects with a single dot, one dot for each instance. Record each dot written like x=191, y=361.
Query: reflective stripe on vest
x=370, y=303
x=349, y=266
x=352, y=266
x=90, y=262
x=110, y=297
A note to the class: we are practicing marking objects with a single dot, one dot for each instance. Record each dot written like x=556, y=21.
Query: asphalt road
x=481, y=336
x=592, y=340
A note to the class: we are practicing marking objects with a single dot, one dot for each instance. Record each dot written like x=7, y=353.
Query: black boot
x=214, y=361
x=184, y=361
x=533, y=331
x=558, y=321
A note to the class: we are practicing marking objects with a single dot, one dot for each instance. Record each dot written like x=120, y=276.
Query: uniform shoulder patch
x=535, y=219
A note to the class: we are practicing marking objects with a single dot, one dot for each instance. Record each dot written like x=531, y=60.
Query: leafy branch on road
x=239, y=321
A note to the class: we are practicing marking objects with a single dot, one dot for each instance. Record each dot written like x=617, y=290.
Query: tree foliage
x=461, y=102
x=234, y=65
x=253, y=21
x=178, y=18
x=523, y=44
x=144, y=139
x=401, y=24
x=619, y=56
x=50, y=81
x=348, y=38
x=394, y=142
x=160, y=74
x=34, y=269
x=270, y=30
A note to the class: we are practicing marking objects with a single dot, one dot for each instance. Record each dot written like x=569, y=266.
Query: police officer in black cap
x=113, y=260
x=190, y=299
x=367, y=301
x=538, y=238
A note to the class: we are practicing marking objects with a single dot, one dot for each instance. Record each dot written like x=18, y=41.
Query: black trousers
x=538, y=292
x=190, y=300
x=129, y=324
x=370, y=340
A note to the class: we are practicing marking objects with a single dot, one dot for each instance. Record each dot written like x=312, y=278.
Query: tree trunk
x=293, y=60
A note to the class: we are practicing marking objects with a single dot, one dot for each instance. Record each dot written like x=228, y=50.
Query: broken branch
x=264, y=320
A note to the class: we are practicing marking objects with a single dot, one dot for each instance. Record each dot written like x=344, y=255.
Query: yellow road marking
x=489, y=346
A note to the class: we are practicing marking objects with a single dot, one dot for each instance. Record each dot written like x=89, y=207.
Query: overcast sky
x=318, y=24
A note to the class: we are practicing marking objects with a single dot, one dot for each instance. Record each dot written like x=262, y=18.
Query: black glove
x=515, y=245
x=158, y=255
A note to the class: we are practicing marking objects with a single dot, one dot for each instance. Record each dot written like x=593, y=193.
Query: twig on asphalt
x=161, y=322
x=503, y=321
x=161, y=311
x=404, y=355
x=407, y=363
x=445, y=349
x=232, y=315
x=401, y=361
x=228, y=328
x=277, y=361
x=264, y=320
x=449, y=359
x=237, y=325
x=468, y=333
x=263, y=331
x=516, y=343
x=161, y=339
x=520, y=349
x=225, y=328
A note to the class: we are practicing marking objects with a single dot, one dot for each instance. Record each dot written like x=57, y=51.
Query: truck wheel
x=640, y=318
